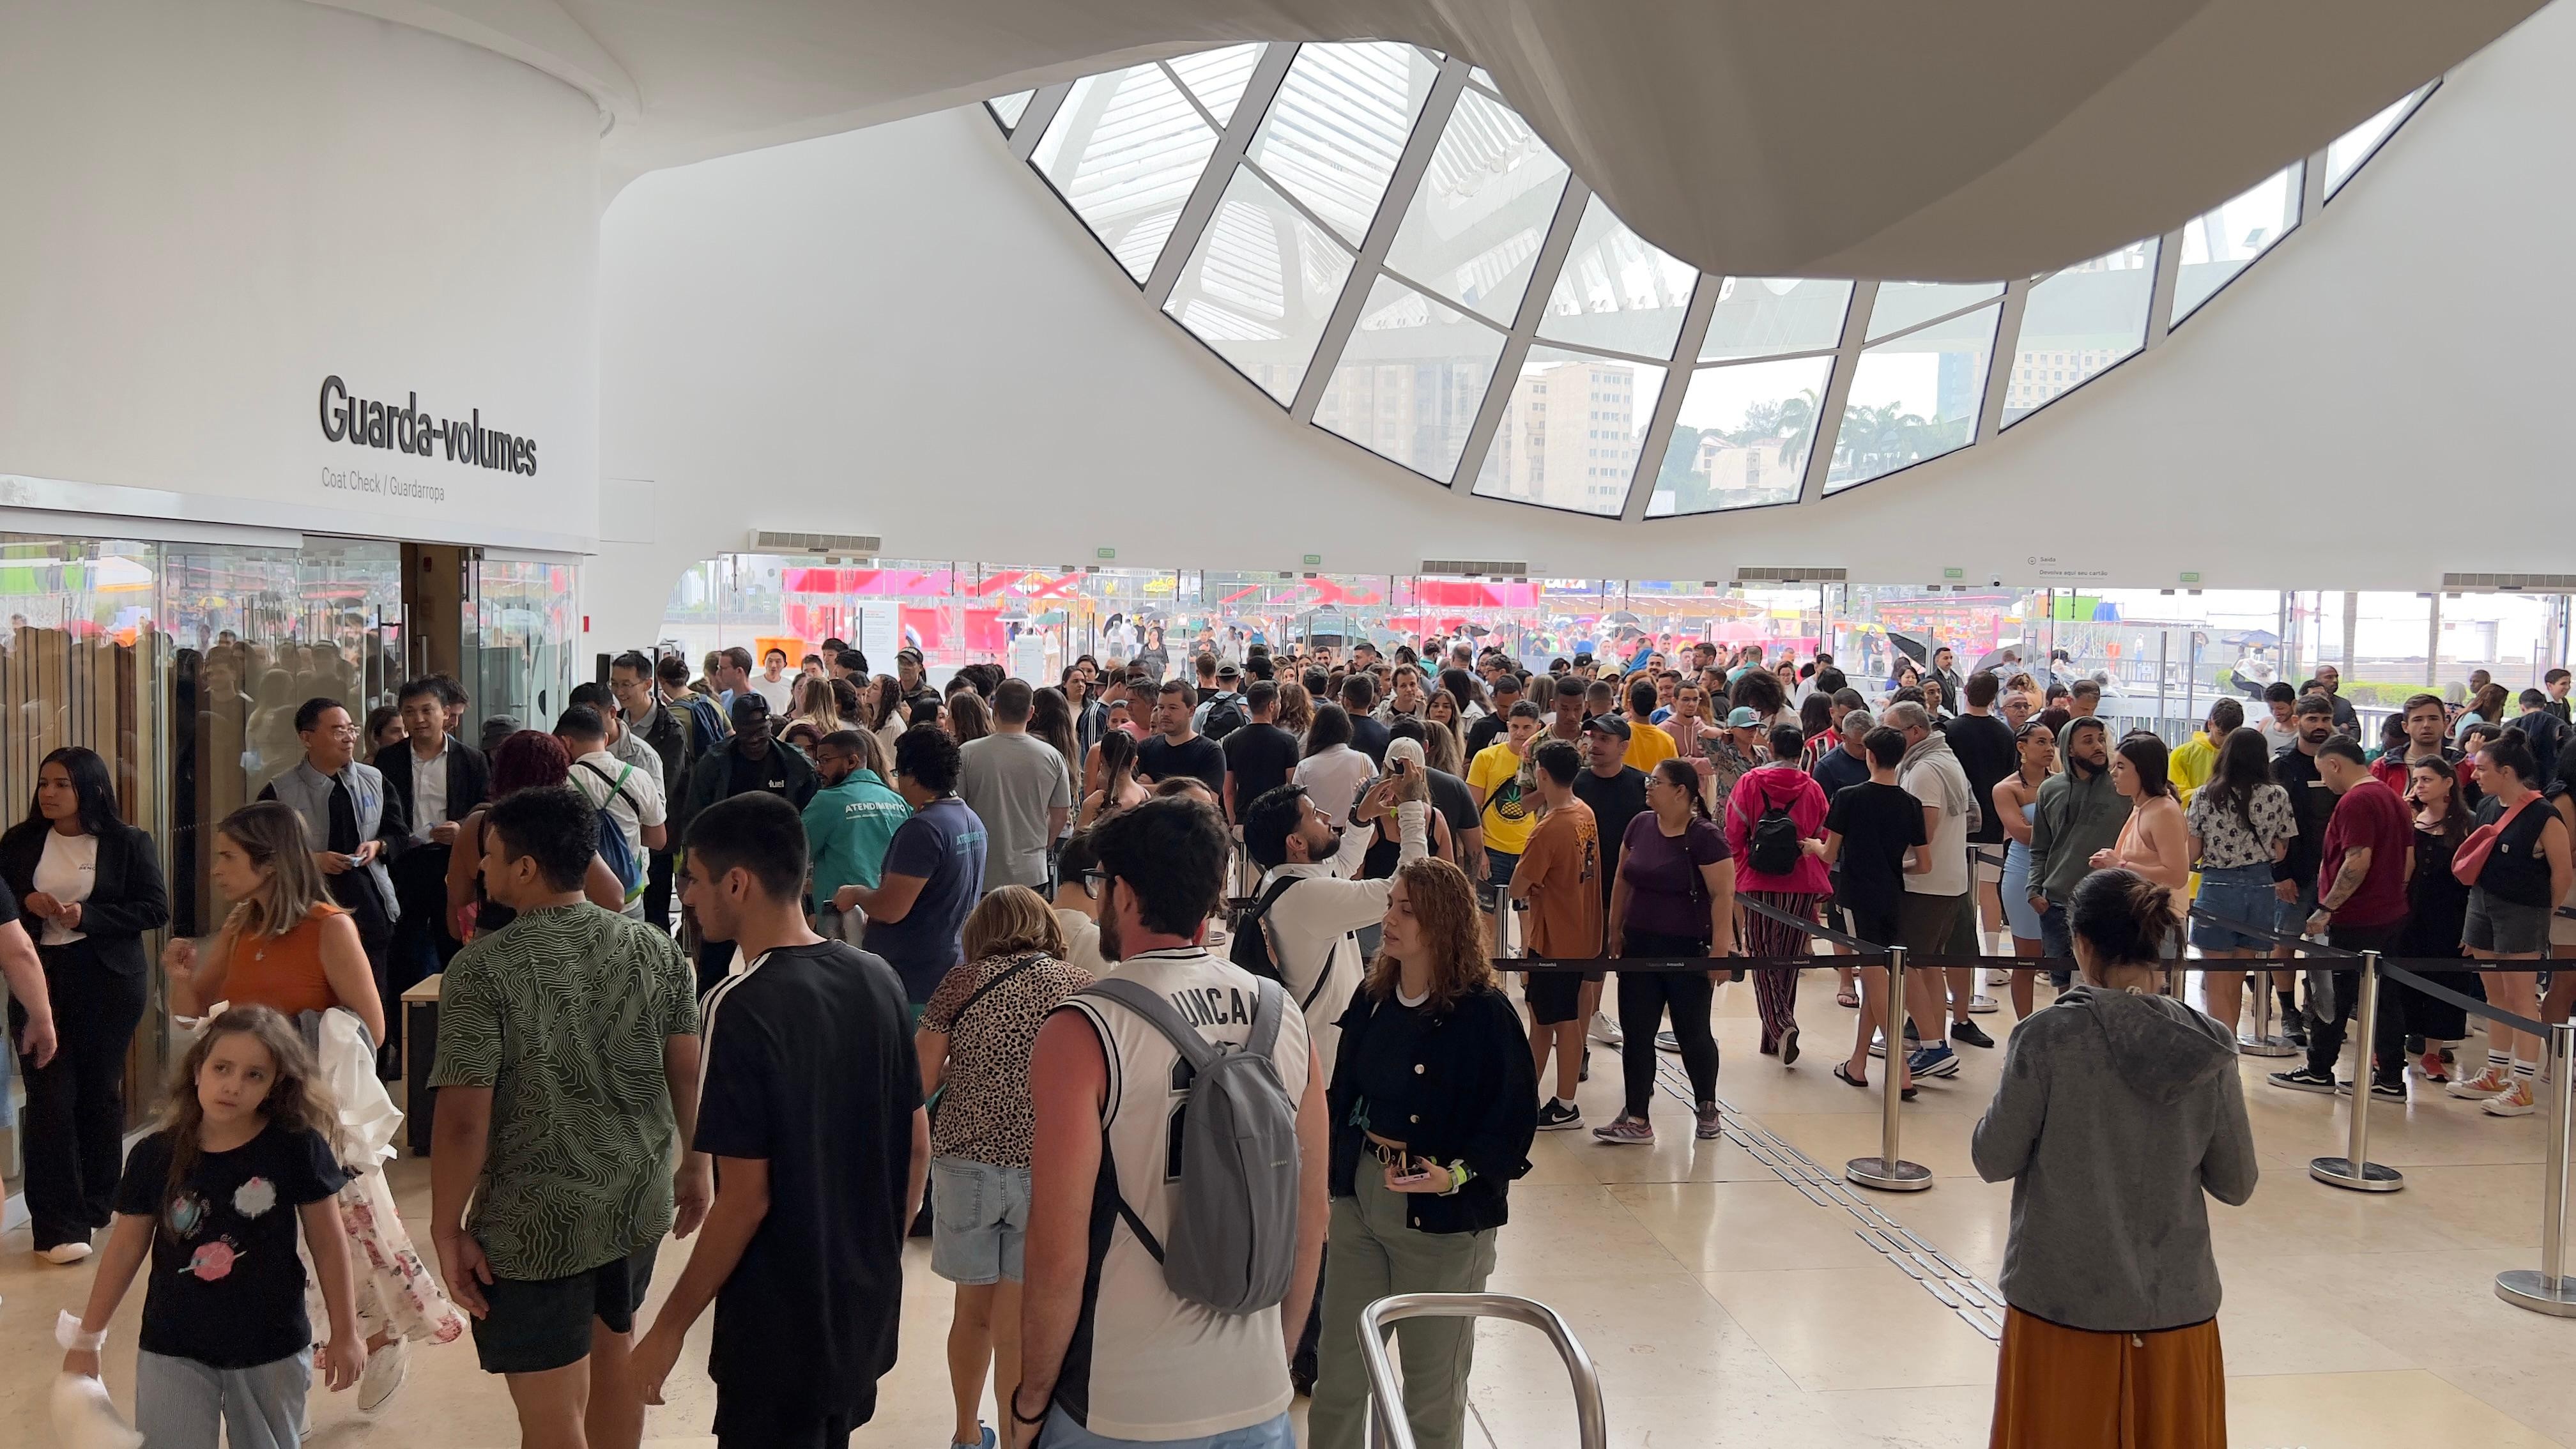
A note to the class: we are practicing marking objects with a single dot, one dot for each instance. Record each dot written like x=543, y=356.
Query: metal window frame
x=1368, y=265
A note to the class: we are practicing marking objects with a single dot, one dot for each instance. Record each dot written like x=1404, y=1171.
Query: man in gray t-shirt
x=1019, y=787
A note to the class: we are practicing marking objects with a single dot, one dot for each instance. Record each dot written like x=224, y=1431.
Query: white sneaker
x=65, y=1253
x=1981, y=1004
x=386, y=1369
x=1606, y=1031
x=1998, y=978
x=2514, y=1100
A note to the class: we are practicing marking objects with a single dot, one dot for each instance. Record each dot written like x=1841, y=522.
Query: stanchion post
x=2262, y=1041
x=1889, y=1171
x=2550, y=1290
x=2355, y=1170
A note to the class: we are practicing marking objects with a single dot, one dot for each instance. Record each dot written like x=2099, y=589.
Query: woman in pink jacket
x=1794, y=881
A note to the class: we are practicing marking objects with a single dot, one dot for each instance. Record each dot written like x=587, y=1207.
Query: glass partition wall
x=2161, y=654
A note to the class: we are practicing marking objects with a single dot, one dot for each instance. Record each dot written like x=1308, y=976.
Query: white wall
x=213, y=204
x=900, y=332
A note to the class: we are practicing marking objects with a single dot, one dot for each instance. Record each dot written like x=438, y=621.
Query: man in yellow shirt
x=1506, y=797
x=2195, y=759
x=1648, y=745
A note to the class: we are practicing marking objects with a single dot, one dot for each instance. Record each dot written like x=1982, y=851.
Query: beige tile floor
x=1724, y=1307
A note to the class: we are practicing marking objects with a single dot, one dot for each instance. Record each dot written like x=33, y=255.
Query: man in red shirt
x=2368, y=857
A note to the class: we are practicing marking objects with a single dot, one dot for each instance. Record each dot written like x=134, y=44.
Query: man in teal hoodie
x=849, y=823
x=2079, y=813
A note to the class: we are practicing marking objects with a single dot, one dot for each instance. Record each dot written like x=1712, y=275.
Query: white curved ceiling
x=1822, y=138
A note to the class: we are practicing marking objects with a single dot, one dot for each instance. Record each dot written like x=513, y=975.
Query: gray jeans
x=180, y=1403
x=1370, y=1253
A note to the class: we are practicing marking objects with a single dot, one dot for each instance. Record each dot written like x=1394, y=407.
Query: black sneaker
x=2387, y=1090
x=1559, y=1116
x=2304, y=1079
x=2295, y=1032
x=1911, y=1034
x=1971, y=1033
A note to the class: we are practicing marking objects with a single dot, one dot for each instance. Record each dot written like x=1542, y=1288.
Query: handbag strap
x=1024, y=964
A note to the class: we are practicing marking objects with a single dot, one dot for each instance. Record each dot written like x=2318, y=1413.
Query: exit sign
x=1313, y=559
x=1954, y=573
x=2191, y=576
x=1104, y=553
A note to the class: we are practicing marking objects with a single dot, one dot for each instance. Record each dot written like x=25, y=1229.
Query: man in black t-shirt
x=1506, y=692
x=1180, y=750
x=810, y=1099
x=1873, y=833
x=1984, y=745
x=1616, y=793
x=1261, y=756
x=1359, y=701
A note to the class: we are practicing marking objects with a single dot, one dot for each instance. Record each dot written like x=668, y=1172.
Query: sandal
x=1842, y=1074
x=1847, y=999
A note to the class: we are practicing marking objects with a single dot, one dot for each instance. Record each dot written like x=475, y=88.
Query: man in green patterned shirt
x=567, y=1078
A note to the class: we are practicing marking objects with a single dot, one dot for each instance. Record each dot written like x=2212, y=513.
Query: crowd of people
x=795, y=963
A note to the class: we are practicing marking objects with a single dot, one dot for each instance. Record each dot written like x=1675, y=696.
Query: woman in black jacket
x=1432, y=1106
x=89, y=886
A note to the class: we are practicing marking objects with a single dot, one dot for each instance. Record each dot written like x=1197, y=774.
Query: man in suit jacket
x=439, y=780
x=355, y=825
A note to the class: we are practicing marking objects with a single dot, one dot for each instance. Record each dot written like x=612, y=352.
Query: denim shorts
x=2504, y=927
x=1062, y=1433
x=979, y=1220
x=2240, y=893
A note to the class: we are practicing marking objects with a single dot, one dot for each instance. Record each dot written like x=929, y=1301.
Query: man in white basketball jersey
x=1109, y=1354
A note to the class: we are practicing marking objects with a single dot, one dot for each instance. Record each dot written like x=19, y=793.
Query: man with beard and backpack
x=1120, y=1339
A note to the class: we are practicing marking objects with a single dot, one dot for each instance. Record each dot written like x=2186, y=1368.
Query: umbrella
x=1620, y=616
x=1912, y=646
x=2264, y=638
x=1993, y=659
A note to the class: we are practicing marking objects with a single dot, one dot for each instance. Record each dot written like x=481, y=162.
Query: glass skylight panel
x=1124, y=150
x=1914, y=398
x=2216, y=245
x=1217, y=77
x=1260, y=285
x=1410, y=380
x=1570, y=432
x=1743, y=437
x=1615, y=291
x=1767, y=316
x=1903, y=304
x=1338, y=125
x=1008, y=109
x=1473, y=228
x=2346, y=152
x=2077, y=323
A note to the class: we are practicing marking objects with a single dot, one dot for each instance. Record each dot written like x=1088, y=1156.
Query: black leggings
x=1643, y=995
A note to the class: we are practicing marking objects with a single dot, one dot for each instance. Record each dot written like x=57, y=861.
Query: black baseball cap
x=1606, y=724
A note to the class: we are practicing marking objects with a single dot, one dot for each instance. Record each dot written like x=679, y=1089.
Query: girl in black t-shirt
x=213, y=1199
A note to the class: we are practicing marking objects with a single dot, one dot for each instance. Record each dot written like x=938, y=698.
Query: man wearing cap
x=1506, y=692
x=1229, y=688
x=1616, y=791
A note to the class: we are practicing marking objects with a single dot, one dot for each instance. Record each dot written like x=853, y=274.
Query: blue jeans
x=180, y=1403
x=1062, y=1433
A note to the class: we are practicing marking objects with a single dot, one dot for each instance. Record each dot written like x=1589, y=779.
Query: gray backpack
x=1234, y=1211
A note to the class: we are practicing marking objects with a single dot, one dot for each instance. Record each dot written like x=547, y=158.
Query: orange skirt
x=2067, y=1388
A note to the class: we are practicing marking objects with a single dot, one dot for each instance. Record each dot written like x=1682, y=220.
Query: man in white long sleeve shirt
x=1311, y=922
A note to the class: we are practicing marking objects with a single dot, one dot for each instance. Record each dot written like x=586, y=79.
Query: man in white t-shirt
x=1938, y=913
x=774, y=683
x=1109, y=1354
x=632, y=796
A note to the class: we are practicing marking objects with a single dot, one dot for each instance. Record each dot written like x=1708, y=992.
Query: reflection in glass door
x=520, y=647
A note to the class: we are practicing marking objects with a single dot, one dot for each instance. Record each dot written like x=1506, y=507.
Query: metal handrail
x=1388, y=1426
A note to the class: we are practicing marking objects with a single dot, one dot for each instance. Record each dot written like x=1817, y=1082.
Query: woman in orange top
x=285, y=946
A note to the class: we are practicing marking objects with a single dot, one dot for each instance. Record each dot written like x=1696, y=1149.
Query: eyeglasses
x=1093, y=881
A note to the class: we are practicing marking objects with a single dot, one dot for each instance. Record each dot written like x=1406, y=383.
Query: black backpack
x=1224, y=716
x=1249, y=928
x=1773, y=842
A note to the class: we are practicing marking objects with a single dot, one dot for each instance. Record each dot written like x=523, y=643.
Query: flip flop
x=1842, y=1074
x=1848, y=1000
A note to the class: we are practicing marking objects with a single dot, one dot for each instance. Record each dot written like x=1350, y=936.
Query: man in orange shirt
x=1560, y=876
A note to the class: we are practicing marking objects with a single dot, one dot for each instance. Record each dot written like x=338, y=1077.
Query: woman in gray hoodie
x=2119, y=1109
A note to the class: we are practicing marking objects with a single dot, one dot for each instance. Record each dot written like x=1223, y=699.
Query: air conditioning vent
x=2545, y=583
x=824, y=545
x=1760, y=575
x=1477, y=568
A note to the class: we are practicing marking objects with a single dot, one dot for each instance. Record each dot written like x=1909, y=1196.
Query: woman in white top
x=2156, y=843
x=1332, y=772
x=89, y=887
